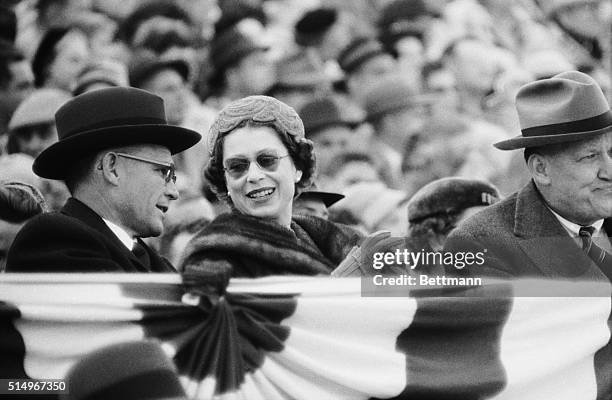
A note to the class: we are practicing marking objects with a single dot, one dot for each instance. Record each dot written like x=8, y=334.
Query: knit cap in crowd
x=449, y=196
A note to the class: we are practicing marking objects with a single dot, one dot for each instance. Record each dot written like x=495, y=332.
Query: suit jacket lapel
x=542, y=237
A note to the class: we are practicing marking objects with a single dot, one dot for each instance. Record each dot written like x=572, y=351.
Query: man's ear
x=298, y=175
x=108, y=165
x=539, y=167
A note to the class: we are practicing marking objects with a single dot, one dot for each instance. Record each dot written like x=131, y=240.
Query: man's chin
x=152, y=232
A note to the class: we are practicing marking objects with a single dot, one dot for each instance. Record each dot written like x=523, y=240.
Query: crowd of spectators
x=395, y=94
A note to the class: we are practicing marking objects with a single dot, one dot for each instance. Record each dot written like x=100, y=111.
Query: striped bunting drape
x=318, y=338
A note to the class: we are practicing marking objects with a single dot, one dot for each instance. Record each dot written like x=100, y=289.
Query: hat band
x=117, y=122
x=361, y=55
x=582, y=125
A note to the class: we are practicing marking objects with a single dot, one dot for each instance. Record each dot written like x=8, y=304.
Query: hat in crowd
x=234, y=11
x=18, y=167
x=20, y=201
x=232, y=45
x=551, y=7
x=312, y=26
x=38, y=108
x=105, y=118
x=45, y=53
x=567, y=107
x=109, y=71
x=145, y=64
x=324, y=112
x=132, y=370
x=372, y=201
x=359, y=51
x=328, y=198
x=146, y=10
x=159, y=34
x=449, y=196
x=401, y=18
x=545, y=63
x=300, y=70
x=388, y=95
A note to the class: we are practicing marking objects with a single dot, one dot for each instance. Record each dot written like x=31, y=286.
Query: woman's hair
x=259, y=111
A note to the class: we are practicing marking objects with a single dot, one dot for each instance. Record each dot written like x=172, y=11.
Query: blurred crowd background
x=395, y=94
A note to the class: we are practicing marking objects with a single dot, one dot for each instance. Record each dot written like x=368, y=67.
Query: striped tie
x=602, y=258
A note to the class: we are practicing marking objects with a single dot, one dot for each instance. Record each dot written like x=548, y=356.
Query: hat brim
x=314, y=129
x=520, y=142
x=141, y=74
x=57, y=160
x=328, y=198
x=416, y=100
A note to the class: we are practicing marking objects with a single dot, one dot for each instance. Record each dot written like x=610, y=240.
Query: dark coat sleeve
x=58, y=243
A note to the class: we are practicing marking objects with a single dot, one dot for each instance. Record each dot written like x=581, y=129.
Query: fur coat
x=240, y=245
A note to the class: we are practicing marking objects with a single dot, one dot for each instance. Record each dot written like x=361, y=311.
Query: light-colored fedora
x=568, y=107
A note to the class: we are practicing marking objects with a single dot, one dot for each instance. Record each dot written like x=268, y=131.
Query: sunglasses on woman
x=237, y=167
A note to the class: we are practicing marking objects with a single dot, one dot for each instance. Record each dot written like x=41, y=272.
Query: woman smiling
x=260, y=161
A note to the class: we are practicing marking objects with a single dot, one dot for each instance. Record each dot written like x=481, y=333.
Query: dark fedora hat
x=234, y=44
x=327, y=111
x=106, y=118
x=568, y=107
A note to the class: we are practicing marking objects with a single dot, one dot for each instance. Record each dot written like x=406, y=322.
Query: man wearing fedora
x=115, y=155
x=559, y=224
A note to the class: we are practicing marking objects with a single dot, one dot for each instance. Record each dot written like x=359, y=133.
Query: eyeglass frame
x=277, y=157
x=168, y=176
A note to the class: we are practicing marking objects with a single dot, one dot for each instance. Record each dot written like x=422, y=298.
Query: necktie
x=602, y=258
x=141, y=253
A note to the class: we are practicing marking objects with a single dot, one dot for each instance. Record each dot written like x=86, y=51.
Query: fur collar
x=254, y=247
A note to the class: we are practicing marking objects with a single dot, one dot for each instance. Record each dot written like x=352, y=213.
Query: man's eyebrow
x=588, y=149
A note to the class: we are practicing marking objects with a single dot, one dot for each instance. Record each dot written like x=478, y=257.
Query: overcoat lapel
x=77, y=209
x=544, y=240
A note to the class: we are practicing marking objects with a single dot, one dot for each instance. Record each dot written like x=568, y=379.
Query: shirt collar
x=575, y=228
x=121, y=234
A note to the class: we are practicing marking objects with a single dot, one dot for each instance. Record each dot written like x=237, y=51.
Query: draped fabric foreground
x=316, y=338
